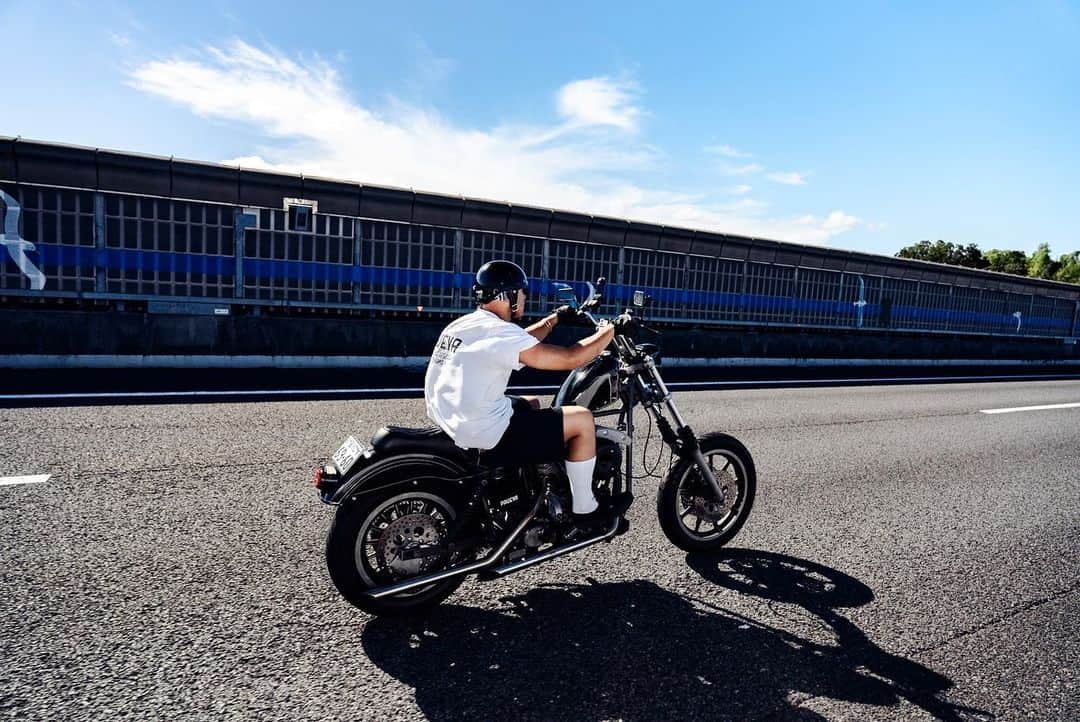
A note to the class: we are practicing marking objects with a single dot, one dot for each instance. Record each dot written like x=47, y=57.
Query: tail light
x=326, y=475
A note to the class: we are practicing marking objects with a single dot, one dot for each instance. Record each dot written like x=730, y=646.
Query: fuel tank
x=594, y=385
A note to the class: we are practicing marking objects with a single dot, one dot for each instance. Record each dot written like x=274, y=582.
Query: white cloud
x=746, y=219
x=598, y=102
x=308, y=122
x=791, y=178
x=740, y=190
x=120, y=40
x=838, y=221
x=746, y=169
x=428, y=69
x=727, y=151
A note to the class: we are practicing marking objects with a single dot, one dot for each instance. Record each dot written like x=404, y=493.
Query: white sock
x=580, y=474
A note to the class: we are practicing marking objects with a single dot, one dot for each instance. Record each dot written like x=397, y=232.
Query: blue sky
x=860, y=125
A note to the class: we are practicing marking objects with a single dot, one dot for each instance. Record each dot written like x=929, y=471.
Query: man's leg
x=579, y=431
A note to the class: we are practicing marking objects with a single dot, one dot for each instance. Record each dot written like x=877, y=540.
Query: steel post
x=100, y=278
x=244, y=219
x=357, y=259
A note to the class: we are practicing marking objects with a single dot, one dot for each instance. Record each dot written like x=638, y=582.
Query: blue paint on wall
x=775, y=308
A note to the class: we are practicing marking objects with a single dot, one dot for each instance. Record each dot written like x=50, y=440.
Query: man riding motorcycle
x=419, y=510
x=465, y=385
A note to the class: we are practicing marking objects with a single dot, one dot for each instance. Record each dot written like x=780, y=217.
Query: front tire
x=363, y=539
x=689, y=513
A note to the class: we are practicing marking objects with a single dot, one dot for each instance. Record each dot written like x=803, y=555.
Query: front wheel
x=365, y=546
x=689, y=512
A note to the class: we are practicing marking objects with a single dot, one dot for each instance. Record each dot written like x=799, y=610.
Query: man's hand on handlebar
x=607, y=326
x=567, y=314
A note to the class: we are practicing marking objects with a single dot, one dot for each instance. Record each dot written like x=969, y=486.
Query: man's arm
x=548, y=357
x=542, y=328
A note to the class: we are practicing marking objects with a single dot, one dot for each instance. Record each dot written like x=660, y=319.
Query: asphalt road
x=908, y=557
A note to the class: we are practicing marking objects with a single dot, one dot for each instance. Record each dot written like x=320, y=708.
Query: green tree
x=1041, y=265
x=1068, y=268
x=926, y=251
x=972, y=257
x=945, y=252
x=1014, y=262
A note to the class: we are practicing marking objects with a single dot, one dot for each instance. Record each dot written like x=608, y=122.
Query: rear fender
x=386, y=472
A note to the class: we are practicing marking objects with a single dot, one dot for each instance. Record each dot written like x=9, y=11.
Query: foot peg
x=621, y=503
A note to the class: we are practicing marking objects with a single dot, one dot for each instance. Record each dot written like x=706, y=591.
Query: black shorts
x=534, y=436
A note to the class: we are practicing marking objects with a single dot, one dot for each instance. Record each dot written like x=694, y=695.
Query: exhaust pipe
x=422, y=581
x=490, y=559
x=557, y=551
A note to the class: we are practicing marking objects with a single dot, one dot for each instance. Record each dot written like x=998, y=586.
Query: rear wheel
x=689, y=512
x=378, y=541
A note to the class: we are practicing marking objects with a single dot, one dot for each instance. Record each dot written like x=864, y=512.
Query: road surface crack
x=800, y=701
x=1015, y=611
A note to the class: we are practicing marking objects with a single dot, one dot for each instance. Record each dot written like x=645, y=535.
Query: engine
x=608, y=464
x=508, y=498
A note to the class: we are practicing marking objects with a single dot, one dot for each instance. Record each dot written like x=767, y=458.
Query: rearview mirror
x=564, y=295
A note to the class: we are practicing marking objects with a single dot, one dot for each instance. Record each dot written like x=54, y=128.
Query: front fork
x=681, y=438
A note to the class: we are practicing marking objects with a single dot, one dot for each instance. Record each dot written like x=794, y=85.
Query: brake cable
x=645, y=452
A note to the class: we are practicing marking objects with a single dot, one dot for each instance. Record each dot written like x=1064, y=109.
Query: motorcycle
x=417, y=514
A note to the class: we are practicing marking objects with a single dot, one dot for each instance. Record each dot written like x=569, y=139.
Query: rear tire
x=685, y=500
x=349, y=553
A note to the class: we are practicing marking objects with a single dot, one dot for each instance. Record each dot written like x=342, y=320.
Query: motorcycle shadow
x=632, y=650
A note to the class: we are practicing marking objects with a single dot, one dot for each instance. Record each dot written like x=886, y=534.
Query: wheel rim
x=701, y=516
x=409, y=520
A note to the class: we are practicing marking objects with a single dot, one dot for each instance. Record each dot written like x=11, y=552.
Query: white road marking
x=32, y=479
x=1031, y=408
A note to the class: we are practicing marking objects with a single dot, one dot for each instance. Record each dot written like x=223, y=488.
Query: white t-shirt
x=465, y=385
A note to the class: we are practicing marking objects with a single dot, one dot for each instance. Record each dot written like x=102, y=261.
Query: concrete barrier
x=58, y=338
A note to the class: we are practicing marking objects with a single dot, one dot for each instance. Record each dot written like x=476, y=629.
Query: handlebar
x=596, y=296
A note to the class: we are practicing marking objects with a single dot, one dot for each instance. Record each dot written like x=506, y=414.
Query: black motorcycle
x=417, y=514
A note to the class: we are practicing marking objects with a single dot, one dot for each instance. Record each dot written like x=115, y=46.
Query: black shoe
x=601, y=517
x=593, y=521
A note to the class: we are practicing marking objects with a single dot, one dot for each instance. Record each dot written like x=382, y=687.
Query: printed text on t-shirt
x=446, y=346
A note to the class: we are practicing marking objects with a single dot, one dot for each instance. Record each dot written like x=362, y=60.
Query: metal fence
x=102, y=245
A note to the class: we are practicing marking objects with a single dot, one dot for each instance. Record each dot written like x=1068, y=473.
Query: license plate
x=347, y=455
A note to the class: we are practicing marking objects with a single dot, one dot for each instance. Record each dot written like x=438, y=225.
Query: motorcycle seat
x=393, y=440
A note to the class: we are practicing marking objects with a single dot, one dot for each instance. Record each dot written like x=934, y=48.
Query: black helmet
x=500, y=277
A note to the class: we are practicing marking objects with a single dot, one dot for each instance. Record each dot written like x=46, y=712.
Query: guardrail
x=91, y=243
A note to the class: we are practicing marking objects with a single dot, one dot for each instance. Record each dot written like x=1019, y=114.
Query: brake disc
x=410, y=532
x=708, y=507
